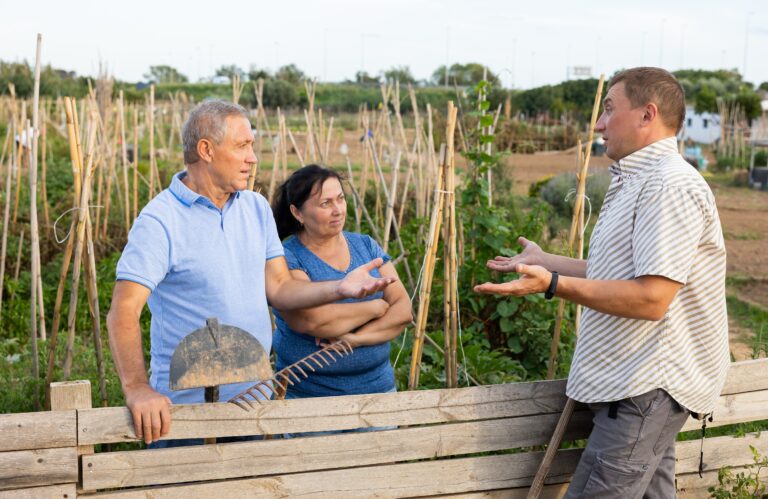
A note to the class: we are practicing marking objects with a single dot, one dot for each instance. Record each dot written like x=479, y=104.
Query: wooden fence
x=473, y=442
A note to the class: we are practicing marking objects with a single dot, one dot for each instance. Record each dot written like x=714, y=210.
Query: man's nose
x=251, y=158
x=600, y=125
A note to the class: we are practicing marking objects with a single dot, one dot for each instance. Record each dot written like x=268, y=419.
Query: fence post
x=69, y=395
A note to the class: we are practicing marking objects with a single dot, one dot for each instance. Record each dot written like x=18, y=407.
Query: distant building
x=703, y=128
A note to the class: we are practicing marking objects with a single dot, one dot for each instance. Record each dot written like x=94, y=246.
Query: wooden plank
x=28, y=468
x=64, y=491
x=736, y=408
x=106, y=425
x=747, y=376
x=38, y=430
x=447, y=476
x=72, y=395
x=718, y=452
x=270, y=457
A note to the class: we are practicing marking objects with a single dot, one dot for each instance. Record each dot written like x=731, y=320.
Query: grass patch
x=754, y=318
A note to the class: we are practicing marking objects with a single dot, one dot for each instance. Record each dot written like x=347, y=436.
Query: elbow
x=654, y=312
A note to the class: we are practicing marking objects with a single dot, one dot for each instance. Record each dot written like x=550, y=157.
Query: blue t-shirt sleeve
x=147, y=256
x=292, y=260
x=274, y=246
x=375, y=250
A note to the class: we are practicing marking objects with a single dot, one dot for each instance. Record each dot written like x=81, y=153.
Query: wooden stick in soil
x=23, y=139
x=425, y=290
x=450, y=293
x=43, y=176
x=92, y=291
x=82, y=215
x=557, y=437
x=151, y=124
x=75, y=156
x=135, y=163
x=124, y=158
x=18, y=256
x=35, y=235
x=6, y=216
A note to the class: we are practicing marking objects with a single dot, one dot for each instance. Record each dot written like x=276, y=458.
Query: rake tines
x=292, y=374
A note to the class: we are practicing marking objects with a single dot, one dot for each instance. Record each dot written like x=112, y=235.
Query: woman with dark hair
x=310, y=211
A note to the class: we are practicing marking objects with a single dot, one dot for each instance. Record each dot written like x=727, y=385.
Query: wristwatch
x=550, y=293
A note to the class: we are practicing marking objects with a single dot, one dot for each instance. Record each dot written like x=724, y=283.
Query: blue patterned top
x=368, y=369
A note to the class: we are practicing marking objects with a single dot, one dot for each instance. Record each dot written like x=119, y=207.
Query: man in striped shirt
x=653, y=343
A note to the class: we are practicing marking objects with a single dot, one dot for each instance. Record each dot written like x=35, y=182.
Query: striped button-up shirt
x=659, y=218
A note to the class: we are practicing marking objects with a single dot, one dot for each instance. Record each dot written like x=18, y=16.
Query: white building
x=703, y=128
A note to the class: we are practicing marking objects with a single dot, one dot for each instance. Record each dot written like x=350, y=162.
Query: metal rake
x=323, y=357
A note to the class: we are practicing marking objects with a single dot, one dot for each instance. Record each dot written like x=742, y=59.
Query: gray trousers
x=633, y=455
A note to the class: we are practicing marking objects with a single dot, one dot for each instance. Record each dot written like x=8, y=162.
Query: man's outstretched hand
x=532, y=254
x=533, y=279
x=360, y=283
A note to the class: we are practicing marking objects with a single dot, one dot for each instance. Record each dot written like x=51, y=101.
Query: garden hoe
x=217, y=354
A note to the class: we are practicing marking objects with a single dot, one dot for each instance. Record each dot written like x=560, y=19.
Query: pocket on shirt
x=614, y=477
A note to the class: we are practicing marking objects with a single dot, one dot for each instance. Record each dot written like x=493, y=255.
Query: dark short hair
x=645, y=84
x=295, y=191
x=207, y=120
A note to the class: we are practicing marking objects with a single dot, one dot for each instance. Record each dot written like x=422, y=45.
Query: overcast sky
x=527, y=43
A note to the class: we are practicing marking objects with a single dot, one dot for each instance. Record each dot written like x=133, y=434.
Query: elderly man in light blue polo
x=205, y=247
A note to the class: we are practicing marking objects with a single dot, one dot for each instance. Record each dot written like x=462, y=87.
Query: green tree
x=763, y=86
x=229, y=71
x=291, y=74
x=399, y=73
x=705, y=101
x=165, y=74
x=255, y=73
x=464, y=75
x=363, y=78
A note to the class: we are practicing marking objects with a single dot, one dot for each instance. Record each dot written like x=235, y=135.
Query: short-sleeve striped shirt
x=658, y=218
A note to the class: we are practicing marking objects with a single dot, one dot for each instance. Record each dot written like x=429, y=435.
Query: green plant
x=743, y=484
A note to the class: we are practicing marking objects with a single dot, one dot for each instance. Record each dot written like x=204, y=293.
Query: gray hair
x=207, y=120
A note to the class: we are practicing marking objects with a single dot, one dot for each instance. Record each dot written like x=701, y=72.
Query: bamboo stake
x=82, y=215
x=426, y=282
x=23, y=137
x=6, y=215
x=253, y=174
x=43, y=178
x=124, y=158
x=276, y=156
x=351, y=181
x=391, y=201
x=74, y=147
x=108, y=192
x=135, y=163
x=18, y=256
x=554, y=443
x=35, y=235
x=450, y=293
x=151, y=121
x=93, y=307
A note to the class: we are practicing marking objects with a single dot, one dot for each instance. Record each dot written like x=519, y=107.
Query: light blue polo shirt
x=199, y=262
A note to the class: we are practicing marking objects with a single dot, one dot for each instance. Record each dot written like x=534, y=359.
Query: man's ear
x=205, y=150
x=650, y=113
x=296, y=214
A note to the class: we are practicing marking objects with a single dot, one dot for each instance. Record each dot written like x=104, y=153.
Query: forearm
x=126, y=346
x=565, y=266
x=293, y=294
x=332, y=321
x=633, y=299
x=386, y=328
